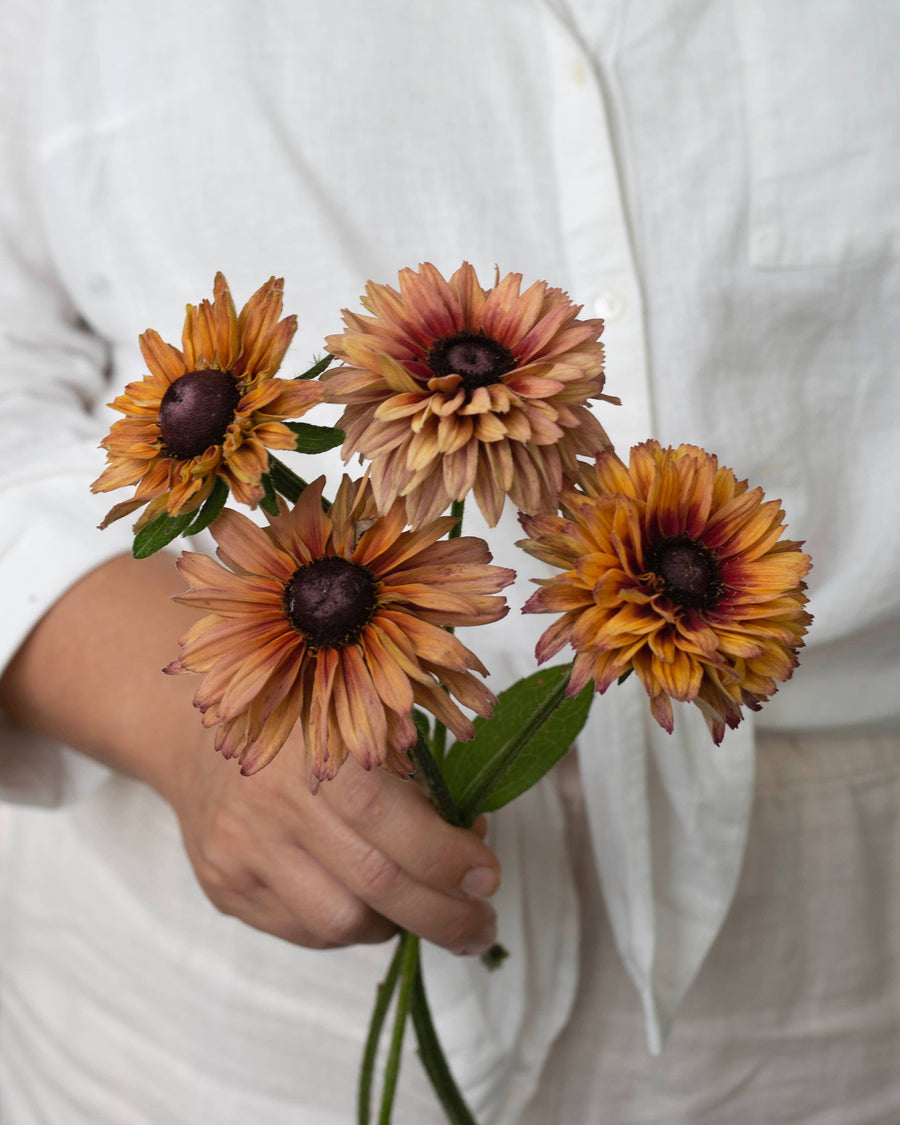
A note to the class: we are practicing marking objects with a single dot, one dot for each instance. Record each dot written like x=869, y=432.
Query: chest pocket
x=823, y=103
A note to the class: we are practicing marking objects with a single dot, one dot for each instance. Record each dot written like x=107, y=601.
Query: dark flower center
x=480, y=360
x=689, y=572
x=330, y=601
x=196, y=411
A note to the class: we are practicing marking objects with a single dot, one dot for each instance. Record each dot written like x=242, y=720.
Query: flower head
x=677, y=570
x=208, y=411
x=332, y=624
x=450, y=388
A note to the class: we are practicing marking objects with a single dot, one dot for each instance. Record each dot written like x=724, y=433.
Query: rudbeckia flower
x=332, y=624
x=672, y=568
x=207, y=411
x=449, y=388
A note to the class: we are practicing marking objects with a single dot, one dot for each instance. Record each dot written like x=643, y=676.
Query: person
x=717, y=182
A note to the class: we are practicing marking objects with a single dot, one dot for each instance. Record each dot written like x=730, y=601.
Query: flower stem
x=436, y=783
x=457, y=508
x=439, y=742
x=383, y=998
x=433, y=1058
x=409, y=965
x=406, y=968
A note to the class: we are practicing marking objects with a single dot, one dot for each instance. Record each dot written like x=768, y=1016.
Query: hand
x=365, y=855
x=368, y=853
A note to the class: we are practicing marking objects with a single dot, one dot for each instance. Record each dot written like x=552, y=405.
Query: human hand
x=365, y=855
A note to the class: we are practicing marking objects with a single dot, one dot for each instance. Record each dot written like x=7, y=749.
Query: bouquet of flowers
x=335, y=620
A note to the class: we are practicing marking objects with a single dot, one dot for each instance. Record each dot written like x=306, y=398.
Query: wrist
x=90, y=674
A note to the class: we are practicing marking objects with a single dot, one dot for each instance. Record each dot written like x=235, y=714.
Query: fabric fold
x=668, y=816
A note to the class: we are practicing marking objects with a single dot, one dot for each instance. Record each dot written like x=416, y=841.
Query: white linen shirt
x=717, y=181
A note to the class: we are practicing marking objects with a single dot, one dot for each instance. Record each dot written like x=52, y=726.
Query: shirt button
x=579, y=73
x=611, y=305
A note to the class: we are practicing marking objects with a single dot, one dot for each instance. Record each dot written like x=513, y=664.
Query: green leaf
x=533, y=725
x=317, y=368
x=210, y=508
x=315, y=439
x=159, y=534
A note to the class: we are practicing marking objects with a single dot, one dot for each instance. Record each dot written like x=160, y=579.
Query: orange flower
x=451, y=388
x=332, y=624
x=675, y=569
x=208, y=411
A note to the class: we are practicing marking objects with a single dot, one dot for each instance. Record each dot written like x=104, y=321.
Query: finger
x=297, y=900
x=265, y=911
x=323, y=904
x=458, y=924
x=412, y=851
x=397, y=819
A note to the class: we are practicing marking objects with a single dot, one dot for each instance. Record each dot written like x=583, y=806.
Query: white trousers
x=794, y=1018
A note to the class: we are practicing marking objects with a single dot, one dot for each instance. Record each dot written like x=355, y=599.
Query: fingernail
x=480, y=882
x=483, y=942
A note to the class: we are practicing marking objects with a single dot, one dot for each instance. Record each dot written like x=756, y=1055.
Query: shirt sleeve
x=52, y=375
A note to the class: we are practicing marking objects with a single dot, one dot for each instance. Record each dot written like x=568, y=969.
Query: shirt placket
x=593, y=222
x=598, y=251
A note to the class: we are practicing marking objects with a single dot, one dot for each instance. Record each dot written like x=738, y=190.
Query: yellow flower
x=332, y=624
x=451, y=388
x=208, y=411
x=675, y=569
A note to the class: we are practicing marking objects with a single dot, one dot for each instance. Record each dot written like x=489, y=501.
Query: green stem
x=317, y=368
x=383, y=998
x=457, y=508
x=436, y=784
x=433, y=1058
x=484, y=781
x=439, y=741
x=409, y=965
